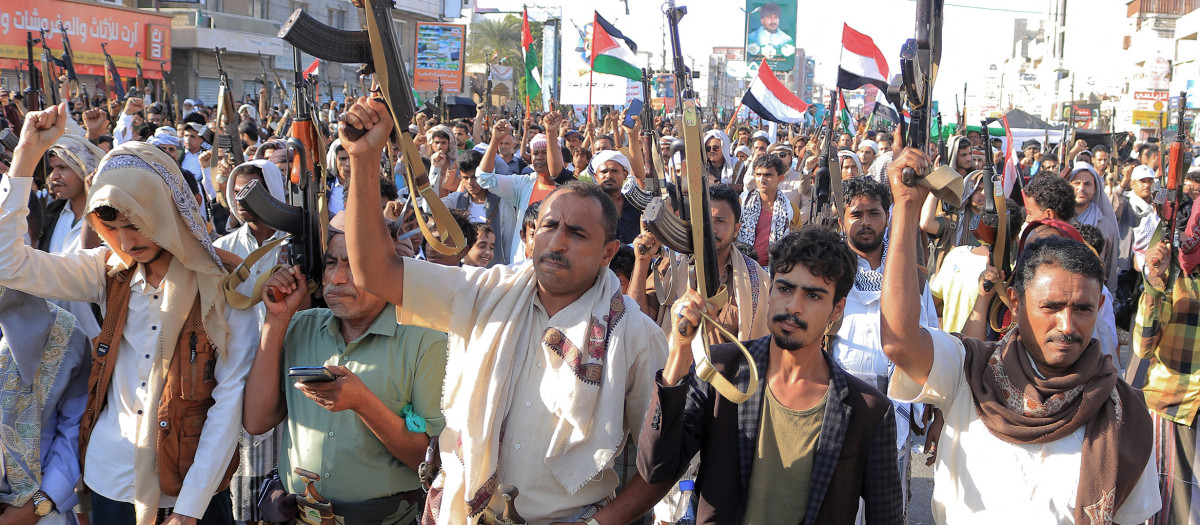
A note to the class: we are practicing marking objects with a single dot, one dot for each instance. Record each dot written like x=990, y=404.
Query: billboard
x=439, y=56
x=771, y=33
x=575, y=68
x=662, y=91
x=126, y=31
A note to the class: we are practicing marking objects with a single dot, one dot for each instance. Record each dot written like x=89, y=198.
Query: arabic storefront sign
x=126, y=32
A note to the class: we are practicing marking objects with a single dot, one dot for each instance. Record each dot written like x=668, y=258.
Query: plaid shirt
x=1167, y=328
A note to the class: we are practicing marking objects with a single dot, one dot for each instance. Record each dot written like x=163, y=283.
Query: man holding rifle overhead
x=550, y=366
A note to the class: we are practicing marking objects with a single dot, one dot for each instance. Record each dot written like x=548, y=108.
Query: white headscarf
x=615, y=156
x=1100, y=214
x=271, y=175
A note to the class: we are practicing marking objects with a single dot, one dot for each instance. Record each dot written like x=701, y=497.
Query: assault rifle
x=170, y=103
x=824, y=183
x=118, y=86
x=691, y=232
x=919, y=59
x=1178, y=160
x=262, y=78
x=68, y=63
x=377, y=47
x=227, y=117
x=139, y=79
x=637, y=196
x=305, y=217
x=35, y=91
x=991, y=228
x=49, y=79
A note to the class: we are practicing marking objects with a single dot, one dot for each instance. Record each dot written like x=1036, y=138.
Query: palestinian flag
x=847, y=122
x=613, y=52
x=533, y=89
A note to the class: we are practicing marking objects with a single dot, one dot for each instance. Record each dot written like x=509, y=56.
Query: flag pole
x=592, y=70
x=733, y=117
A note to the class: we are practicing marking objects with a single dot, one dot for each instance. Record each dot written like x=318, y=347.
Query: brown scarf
x=1019, y=407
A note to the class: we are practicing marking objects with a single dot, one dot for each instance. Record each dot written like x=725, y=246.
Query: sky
x=976, y=33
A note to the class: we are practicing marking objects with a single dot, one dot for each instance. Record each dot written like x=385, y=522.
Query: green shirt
x=400, y=364
x=783, y=462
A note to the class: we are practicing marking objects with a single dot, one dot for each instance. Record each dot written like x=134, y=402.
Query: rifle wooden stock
x=376, y=46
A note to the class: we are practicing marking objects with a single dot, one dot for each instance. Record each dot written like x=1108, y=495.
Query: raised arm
x=905, y=342
x=499, y=130
x=264, y=405
x=552, y=121
x=635, y=150
x=929, y=223
x=376, y=266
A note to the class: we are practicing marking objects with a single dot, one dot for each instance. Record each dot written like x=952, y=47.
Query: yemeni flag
x=770, y=100
x=862, y=62
x=613, y=52
x=847, y=123
x=533, y=89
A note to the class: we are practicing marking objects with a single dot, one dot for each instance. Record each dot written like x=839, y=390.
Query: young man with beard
x=366, y=431
x=744, y=314
x=531, y=336
x=811, y=440
x=521, y=191
x=484, y=206
x=857, y=347
x=1039, y=428
x=159, y=278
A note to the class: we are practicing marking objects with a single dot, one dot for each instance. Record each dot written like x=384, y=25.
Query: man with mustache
x=550, y=366
x=811, y=441
x=1039, y=427
x=365, y=432
x=857, y=347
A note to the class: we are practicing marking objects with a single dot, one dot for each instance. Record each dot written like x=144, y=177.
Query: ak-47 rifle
x=1179, y=159
x=919, y=59
x=35, y=91
x=441, y=104
x=262, y=70
x=941, y=143
x=691, y=232
x=68, y=62
x=305, y=217
x=227, y=117
x=118, y=86
x=171, y=105
x=49, y=79
x=377, y=47
x=139, y=79
x=824, y=183
x=991, y=228
x=21, y=78
x=640, y=197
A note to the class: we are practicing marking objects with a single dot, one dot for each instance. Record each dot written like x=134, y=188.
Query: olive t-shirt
x=783, y=462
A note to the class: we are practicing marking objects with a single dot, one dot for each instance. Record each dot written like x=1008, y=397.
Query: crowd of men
x=1051, y=368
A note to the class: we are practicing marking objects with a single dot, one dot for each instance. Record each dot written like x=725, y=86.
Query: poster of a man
x=771, y=27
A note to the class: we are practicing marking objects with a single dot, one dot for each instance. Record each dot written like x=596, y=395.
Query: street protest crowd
x=518, y=318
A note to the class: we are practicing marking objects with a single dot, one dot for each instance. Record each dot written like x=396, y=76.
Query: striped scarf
x=867, y=279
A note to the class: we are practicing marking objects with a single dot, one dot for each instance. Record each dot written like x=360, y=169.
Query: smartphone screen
x=311, y=374
x=635, y=108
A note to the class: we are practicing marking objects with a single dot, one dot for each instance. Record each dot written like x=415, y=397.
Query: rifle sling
x=418, y=181
x=234, y=280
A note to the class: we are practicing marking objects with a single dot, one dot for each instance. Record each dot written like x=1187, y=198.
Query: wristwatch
x=42, y=504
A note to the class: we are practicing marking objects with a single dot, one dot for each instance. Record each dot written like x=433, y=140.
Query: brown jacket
x=186, y=396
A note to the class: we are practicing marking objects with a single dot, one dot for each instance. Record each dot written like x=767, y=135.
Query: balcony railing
x=1161, y=7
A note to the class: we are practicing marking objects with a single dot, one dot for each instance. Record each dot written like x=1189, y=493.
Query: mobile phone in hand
x=311, y=374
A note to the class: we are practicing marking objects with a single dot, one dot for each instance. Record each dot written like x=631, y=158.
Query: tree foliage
x=498, y=40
